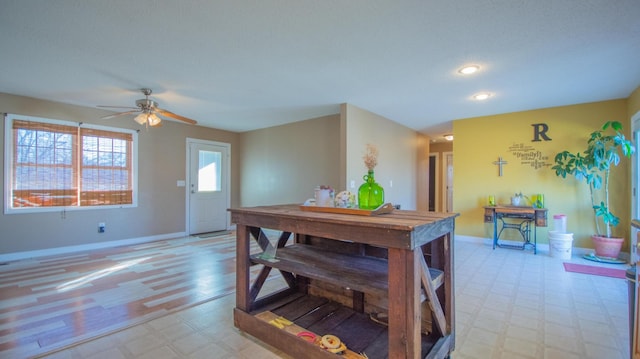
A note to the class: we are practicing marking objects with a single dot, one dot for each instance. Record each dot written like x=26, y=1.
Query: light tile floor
x=512, y=304
x=509, y=304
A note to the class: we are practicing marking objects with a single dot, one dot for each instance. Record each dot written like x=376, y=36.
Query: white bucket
x=560, y=223
x=560, y=244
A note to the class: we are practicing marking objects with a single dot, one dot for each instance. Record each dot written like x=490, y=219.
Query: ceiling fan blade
x=117, y=107
x=174, y=116
x=119, y=114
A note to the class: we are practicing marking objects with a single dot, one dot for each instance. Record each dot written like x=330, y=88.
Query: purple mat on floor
x=603, y=271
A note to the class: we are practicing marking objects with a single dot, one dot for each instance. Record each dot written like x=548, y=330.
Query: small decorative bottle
x=370, y=193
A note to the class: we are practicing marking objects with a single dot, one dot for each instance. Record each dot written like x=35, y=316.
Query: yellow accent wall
x=634, y=103
x=481, y=140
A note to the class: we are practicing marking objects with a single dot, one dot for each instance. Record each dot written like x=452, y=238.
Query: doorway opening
x=433, y=181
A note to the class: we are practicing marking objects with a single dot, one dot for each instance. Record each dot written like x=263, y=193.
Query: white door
x=208, y=185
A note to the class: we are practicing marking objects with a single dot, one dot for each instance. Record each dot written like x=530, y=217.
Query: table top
x=515, y=209
x=400, y=228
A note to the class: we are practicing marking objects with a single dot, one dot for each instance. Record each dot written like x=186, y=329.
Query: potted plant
x=519, y=199
x=593, y=166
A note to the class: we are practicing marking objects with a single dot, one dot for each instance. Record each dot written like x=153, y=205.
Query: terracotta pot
x=607, y=247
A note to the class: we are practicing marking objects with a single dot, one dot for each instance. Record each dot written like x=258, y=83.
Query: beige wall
x=161, y=203
x=422, y=167
x=284, y=164
x=398, y=146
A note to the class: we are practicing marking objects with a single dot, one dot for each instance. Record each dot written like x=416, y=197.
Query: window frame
x=9, y=157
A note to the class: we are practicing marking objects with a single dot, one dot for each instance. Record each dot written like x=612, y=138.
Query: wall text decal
x=528, y=155
x=540, y=130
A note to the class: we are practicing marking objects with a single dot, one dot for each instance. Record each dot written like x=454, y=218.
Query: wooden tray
x=385, y=208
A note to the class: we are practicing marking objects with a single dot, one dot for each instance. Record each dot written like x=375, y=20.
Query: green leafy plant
x=593, y=166
x=522, y=197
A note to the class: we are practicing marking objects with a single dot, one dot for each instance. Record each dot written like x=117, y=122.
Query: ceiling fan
x=148, y=112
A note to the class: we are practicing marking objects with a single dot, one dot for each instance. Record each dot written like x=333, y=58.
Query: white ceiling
x=240, y=65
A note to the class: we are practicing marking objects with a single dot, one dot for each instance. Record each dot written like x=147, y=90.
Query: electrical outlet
x=101, y=227
x=353, y=184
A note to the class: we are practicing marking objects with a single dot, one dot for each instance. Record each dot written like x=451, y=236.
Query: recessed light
x=448, y=137
x=481, y=96
x=468, y=70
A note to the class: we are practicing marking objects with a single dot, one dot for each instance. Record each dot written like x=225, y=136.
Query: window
x=52, y=164
x=209, y=171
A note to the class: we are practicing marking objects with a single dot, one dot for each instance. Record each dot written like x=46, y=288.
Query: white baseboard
x=9, y=257
x=541, y=247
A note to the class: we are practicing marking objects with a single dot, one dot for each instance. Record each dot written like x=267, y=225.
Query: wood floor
x=52, y=302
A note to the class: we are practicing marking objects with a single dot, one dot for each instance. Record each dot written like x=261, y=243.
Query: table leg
x=524, y=228
x=243, y=299
x=404, y=303
x=495, y=230
x=264, y=242
x=535, y=238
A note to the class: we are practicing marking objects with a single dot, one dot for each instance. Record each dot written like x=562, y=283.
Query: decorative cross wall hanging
x=499, y=163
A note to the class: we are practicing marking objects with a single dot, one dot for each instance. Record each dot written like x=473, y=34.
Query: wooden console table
x=402, y=260
x=525, y=217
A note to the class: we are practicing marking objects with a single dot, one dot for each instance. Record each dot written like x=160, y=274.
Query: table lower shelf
x=322, y=316
x=362, y=273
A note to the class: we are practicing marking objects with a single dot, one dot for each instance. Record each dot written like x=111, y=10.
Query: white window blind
x=56, y=164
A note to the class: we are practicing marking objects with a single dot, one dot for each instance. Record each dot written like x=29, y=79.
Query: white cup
x=324, y=197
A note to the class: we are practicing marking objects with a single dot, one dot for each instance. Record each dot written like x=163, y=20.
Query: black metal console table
x=524, y=219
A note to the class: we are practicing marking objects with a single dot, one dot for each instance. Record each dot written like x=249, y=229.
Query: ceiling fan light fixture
x=153, y=119
x=146, y=112
x=141, y=118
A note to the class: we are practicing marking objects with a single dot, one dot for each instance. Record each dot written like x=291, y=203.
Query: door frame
x=436, y=185
x=635, y=166
x=226, y=172
x=634, y=308
x=635, y=177
x=445, y=174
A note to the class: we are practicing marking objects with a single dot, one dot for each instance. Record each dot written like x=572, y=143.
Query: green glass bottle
x=370, y=193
